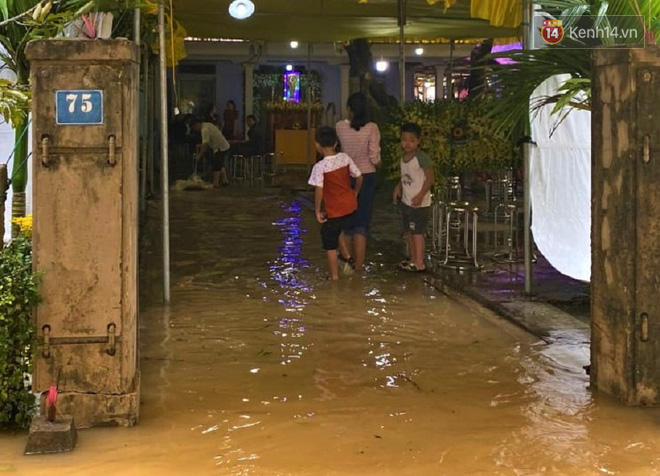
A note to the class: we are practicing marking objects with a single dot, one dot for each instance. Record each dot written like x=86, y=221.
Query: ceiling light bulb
x=241, y=9
x=289, y=67
x=419, y=51
x=381, y=66
x=294, y=44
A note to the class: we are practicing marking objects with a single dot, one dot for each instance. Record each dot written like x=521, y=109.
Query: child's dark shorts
x=331, y=229
x=415, y=220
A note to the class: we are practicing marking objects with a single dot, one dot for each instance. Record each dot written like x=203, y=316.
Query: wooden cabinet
x=294, y=146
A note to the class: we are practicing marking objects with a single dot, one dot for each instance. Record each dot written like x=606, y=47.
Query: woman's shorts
x=331, y=229
x=362, y=216
x=415, y=220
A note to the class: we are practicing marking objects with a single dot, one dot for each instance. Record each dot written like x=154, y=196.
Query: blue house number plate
x=79, y=107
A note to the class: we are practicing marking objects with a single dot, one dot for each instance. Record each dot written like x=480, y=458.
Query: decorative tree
x=457, y=135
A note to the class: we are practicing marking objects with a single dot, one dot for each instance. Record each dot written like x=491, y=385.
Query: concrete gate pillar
x=625, y=277
x=85, y=226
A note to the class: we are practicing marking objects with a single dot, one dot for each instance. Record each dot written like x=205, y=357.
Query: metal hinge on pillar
x=112, y=155
x=110, y=339
x=644, y=327
x=45, y=153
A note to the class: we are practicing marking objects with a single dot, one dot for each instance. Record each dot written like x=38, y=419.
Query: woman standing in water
x=229, y=118
x=360, y=140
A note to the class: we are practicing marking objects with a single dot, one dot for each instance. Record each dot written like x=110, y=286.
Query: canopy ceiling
x=334, y=20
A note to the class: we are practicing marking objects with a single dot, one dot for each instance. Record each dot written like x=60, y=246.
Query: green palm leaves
x=515, y=83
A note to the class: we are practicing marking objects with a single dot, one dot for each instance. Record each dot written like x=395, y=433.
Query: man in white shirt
x=212, y=149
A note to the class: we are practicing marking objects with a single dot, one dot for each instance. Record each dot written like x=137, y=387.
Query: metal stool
x=437, y=238
x=240, y=167
x=509, y=215
x=454, y=189
x=458, y=217
x=232, y=170
x=270, y=163
x=500, y=190
x=257, y=165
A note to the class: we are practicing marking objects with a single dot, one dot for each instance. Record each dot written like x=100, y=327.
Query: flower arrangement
x=457, y=135
x=24, y=225
x=285, y=106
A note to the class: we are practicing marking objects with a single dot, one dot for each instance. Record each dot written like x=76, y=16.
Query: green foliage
x=457, y=135
x=18, y=296
x=32, y=20
x=516, y=82
x=14, y=102
x=123, y=24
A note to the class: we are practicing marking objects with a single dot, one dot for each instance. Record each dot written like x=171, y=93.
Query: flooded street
x=261, y=366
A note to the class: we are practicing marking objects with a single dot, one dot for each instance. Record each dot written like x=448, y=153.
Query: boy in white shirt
x=334, y=198
x=414, y=190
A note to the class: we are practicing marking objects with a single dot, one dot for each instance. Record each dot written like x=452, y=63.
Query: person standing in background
x=255, y=143
x=229, y=119
x=360, y=140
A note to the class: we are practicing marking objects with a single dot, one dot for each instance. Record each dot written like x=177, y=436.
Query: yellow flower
x=285, y=106
x=24, y=224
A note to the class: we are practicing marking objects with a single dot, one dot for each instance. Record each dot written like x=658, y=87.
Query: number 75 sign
x=79, y=107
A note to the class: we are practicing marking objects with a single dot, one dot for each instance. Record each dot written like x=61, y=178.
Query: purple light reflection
x=285, y=271
x=285, y=268
x=505, y=48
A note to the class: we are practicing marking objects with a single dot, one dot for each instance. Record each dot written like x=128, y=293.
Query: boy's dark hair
x=413, y=128
x=252, y=116
x=326, y=136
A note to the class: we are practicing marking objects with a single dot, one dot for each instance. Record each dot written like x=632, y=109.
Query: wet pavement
x=261, y=366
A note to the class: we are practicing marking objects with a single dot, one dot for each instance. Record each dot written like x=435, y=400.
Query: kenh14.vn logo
x=552, y=31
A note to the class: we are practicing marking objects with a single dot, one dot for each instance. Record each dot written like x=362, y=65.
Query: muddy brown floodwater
x=262, y=367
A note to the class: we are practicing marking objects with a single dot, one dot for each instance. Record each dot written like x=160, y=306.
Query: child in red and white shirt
x=332, y=178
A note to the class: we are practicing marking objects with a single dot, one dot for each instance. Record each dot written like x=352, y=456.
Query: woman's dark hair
x=357, y=103
x=232, y=103
x=326, y=136
x=413, y=128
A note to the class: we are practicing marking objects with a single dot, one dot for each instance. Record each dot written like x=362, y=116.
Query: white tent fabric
x=560, y=187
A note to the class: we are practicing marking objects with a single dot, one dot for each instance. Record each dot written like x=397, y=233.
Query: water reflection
x=557, y=408
x=385, y=351
x=382, y=375
x=287, y=271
